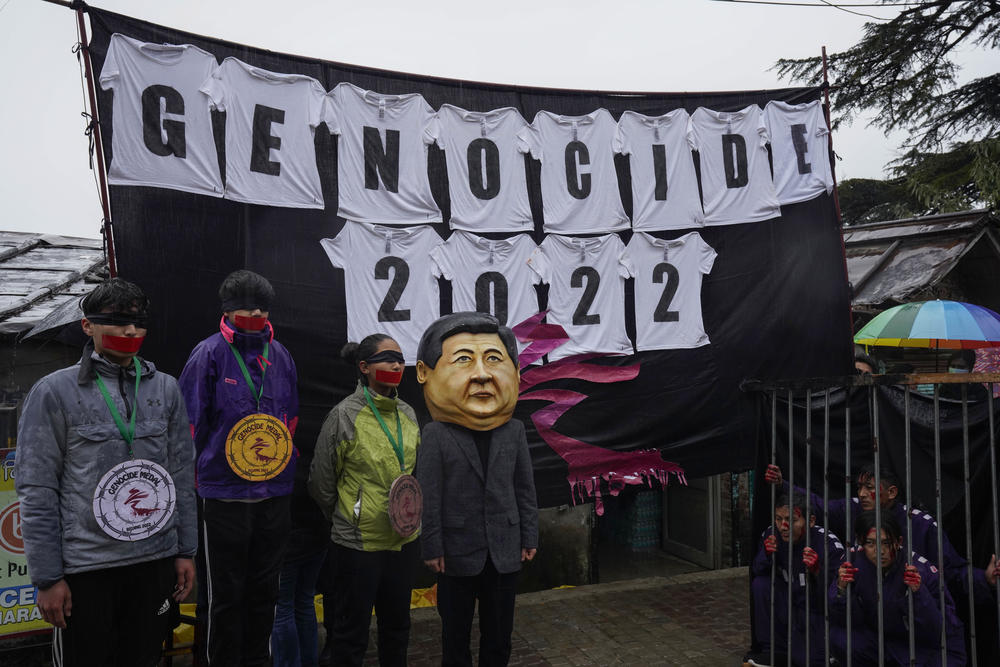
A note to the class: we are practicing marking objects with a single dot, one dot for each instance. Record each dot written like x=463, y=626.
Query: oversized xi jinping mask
x=467, y=363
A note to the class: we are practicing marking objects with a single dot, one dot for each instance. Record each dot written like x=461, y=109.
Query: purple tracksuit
x=217, y=397
x=831, y=555
x=924, y=542
x=895, y=617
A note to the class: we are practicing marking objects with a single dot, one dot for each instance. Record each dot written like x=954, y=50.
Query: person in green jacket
x=369, y=442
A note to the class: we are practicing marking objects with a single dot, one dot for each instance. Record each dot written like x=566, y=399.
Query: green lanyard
x=397, y=444
x=127, y=433
x=254, y=391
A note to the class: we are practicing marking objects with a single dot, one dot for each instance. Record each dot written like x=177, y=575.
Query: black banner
x=776, y=303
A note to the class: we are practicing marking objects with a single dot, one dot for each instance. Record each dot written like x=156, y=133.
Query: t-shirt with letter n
x=486, y=179
x=799, y=150
x=381, y=156
x=489, y=276
x=579, y=182
x=161, y=124
x=389, y=284
x=271, y=121
x=586, y=278
x=668, y=278
x=735, y=178
x=664, y=184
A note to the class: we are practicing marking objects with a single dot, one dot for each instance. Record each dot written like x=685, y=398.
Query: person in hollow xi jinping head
x=242, y=399
x=105, y=476
x=480, y=513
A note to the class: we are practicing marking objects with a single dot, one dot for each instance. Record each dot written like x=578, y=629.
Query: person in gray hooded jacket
x=105, y=475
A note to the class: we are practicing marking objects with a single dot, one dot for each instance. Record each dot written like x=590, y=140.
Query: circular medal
x=258, y=447
x=406, y=502
x=134, y=500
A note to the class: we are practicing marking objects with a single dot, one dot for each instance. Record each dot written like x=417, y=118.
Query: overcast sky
x=638, y=45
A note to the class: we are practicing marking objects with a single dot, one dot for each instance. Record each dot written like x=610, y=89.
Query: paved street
x=700, y=618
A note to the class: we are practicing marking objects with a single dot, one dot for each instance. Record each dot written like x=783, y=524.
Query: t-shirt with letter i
x=664, y=184
x=381, y=156
x=271, y=121
x=586, y=278
x=161, y=125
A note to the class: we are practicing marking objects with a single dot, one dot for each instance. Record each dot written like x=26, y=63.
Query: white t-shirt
x=579, y=183
x=161, y=125
x=668, y=290
x=486, y=179
x=382, y=156
x=489, y=276
x=586, y=278
x=799, y=150
x=664, y=184
x=388, y=281
x=735, y=177
x=271, y=121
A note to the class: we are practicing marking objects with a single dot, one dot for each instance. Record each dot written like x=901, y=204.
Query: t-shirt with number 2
x=389, y=284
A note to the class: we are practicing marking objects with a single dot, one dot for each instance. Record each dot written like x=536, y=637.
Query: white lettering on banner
x=16, y=597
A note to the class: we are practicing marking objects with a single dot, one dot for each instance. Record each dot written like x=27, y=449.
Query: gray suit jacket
x=466, y=516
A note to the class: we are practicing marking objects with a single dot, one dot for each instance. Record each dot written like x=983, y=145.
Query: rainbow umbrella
x=946, y=325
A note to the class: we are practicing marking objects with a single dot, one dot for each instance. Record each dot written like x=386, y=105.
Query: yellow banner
x=18, y=612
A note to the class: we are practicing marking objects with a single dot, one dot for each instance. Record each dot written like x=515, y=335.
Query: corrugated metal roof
x=892, y=261
x=40, y=272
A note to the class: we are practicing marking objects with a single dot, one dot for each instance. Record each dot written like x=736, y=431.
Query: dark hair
x=429, y=350
x=355, y=353
x=887, y=474
x=866, y=359
x=117, y=294
x=967, y=356
x=243, y=289
x=866, y=521
x=798, y=501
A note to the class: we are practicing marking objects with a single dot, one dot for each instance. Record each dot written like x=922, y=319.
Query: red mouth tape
x=123, y=344
x=389, y=377
x=250, y=323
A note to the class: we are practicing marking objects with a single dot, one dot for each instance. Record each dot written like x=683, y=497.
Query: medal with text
x=134, y=500
x=406, y=502
x=259, y=447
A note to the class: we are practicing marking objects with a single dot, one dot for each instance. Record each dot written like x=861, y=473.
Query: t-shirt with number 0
x=489, y=276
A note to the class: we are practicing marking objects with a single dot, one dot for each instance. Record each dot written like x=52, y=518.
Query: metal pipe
x=847, y=514
x=940, y=534
x=968, y=526
x=808, y=510
x=826, y=524
x=909, y=521
x=774, y=527
x=996, y=508
x=880, y=599
x=791, y=532
x=109, y=241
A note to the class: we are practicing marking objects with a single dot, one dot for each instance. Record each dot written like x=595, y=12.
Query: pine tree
x=904, y=71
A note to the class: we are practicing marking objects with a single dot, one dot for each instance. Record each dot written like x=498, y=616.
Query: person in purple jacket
x=240, y=388
x=857, y=585
x=924, y=529
x=824, y=552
